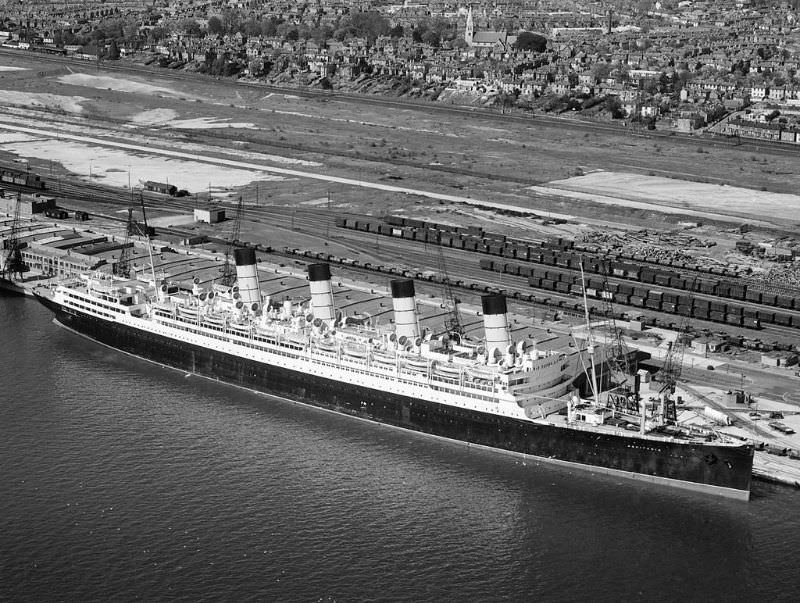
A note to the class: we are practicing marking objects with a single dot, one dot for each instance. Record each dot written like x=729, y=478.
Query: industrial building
x=209, y=215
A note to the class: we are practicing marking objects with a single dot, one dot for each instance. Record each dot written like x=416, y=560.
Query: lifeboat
x=187, y=311
x=480, y=376
x=446, y=370
x=419, y=365
x=325, y=345
x=356, y=353
x=380, y=358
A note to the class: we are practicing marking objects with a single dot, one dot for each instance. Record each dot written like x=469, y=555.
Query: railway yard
x=724, y=288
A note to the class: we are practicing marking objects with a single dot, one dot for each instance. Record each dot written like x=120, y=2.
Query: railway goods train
x=670, y=302
x=564, y=254
x=21, y=178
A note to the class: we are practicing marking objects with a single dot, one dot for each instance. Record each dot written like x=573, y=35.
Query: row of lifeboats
x=412, y=364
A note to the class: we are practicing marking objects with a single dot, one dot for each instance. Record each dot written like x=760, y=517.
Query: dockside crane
x=452, y=323
x=228, y=269
x=132, y=228
x=671, y=371
x=669, y=375
x=13, y=263
x=623, y=395
x=122, y=268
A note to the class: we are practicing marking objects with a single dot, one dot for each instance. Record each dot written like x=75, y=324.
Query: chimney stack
x=319, y=277
x=405, y=309
x=247, y=275
x=495, y=324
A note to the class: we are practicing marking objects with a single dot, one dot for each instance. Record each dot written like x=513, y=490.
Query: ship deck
x=560, y=420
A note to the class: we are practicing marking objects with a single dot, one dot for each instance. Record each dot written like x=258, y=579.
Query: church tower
x=469, y=31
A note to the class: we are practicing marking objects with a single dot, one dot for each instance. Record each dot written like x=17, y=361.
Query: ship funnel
x=319, y=277
x=247, y=275
x=405, y=309
x=495, y=324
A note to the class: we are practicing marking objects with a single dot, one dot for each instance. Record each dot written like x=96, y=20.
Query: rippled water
x=124, y=480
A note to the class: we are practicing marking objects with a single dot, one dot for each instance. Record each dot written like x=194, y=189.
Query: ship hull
x=724, y=470
x=10, y=287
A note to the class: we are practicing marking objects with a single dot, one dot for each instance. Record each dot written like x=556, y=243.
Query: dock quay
x=776, y=469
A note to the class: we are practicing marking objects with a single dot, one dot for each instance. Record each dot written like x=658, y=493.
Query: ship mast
x=590, y=340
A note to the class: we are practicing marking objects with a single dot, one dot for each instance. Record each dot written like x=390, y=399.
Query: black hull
x=9, y=287
x=723, y=469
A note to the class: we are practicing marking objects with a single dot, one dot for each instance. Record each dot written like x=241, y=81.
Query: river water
x=122, y=480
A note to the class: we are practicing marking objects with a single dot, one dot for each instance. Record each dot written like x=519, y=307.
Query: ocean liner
x=494, y=393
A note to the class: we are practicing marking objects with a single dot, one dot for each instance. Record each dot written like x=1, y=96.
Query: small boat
x=419, y=365
x=325, y=345
x=446, y=370
x=381, y=358
x=359, y=353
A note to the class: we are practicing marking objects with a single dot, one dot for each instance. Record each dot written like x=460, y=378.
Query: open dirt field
x=679, y=196
x=452, y=154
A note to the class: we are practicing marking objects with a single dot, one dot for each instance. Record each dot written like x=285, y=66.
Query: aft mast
x=590, y=346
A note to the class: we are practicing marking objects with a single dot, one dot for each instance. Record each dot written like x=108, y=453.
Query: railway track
x=462, y=264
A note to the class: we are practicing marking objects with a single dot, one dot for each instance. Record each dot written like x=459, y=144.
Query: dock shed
x=209, y=216
x=28, y=204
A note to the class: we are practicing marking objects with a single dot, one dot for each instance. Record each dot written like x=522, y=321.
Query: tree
x=113, y=51
x=190, y=27
x=614, y=106
x=432, y=38
x=269, y=28
x=251, y=28
x=158, y=33
x=396, y=31
x=530, y=41
x=256, y=67
x=130, y=32
x=371, y=24
x=230, y=21
x=214, y=25
x=600, y=71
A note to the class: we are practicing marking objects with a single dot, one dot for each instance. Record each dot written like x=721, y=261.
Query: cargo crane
x=228, y=269
x=13, y=263
x=623, y=395
x=122, y=268
x=452, y=323
x=132, y=228
x=671, y=371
